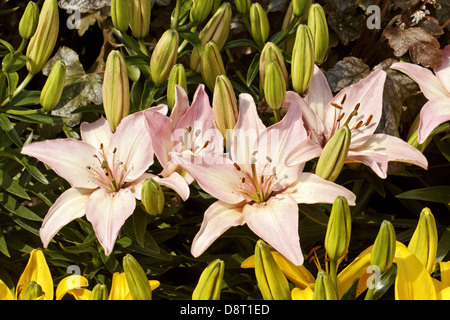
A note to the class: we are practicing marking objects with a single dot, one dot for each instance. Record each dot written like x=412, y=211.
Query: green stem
x=24, y=112
x=176, y=15
x=19, y=88
x=286, y=31
x=22, y=46
x=143, y=47
x=185, y=42
x=369, y=294
x=276, y=114
x=333, y=275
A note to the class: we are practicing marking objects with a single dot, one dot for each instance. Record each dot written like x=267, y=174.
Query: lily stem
x=19, y=89
x=276, y=114
x=333, y=275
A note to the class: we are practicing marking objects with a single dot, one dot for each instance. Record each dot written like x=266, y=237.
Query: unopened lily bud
x=29, y=21
x=243, y=6
x=259, y=24
x=53, y=87
x=116, y=89
x=302, y=66
x=324, y=289
x=100, y=292
x=164, y=56
x=300, y=7
x=271, y=52
x=200, y=10
x=224, y=105
x=217, y=30
x=152, y=197
x=424, y=241
x=33, y=292
x=43, y=42
x=317, y=23
x=212, y=64
x=120, y=14
x=140, y=13
x=337, y=237
x=383, y=250
x=136, y=279
x=209, y=284
x=333, y=155
x=177, y=76
x=274, y=86
x=271, y=280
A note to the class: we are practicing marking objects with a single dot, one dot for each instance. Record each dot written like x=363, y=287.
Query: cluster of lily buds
x=337, y=237
x=99, y=292
x=243, y=6
x=53, y=87
x=323, y=288
x=212, y=64
x=210, y=282
x=43, y=41
x=29, y=21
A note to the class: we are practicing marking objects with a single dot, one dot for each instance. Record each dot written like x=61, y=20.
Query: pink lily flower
x=105, y=171
x=188, y=131
x=436, y=88
x=360, y=107
x=254, y=186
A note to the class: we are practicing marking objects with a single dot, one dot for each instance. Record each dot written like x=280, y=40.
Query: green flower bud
x=177, y=76
x=300, y=7
x=271, y=280
x=383, y=250
x=100, y=292
x=333, y=155
x=217, y=30
x=29, y=22
x=200, y=10
x=259, y=24
x=317, y=23
x=302, y=66
x=43, y=42
x=120, y=14
x=116, y=89
x=288, y=44
x=323, y=289
x=53, y=87
x=33, y=292
x=337, y=237
x=224, y=106
x=424, y=241
x=274, y=86
x=212, y=64
x=152, y=197
x=136, y=279
x=164, y=56
x=271, y=52
x=243, y=6
x=140, y=14
x=209, y=284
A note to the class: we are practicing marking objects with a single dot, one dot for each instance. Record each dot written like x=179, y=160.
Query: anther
x=237, y=166
x=336, y=105
x=368, y=120
x=357, y=106
x=343, y=99
x=197, y=132
x=268, y=158
x=340, y=117
x=358, y=125
x=115, y=150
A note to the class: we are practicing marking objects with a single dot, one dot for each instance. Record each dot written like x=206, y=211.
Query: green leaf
x=193, y=39
x=253, y=69
x=12, y=186
x=7, y=126
x=3, y=246
x=387, y=278
x=315, y=213
x=240, y=43
x=26, y=98
x=444, y=245
x=140, y=226
x=435, y=194
x=14, y=206
x=24, y=161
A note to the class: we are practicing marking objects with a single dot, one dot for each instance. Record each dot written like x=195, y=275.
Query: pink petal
x=160, y=130
x=199, y=113
x=375, y=161
x=427, y=81
x=70, y=205
x=69, y=158
x=107, y=212
x=310, y=188
x=216, y=175
x=433, y=113
x=132, y=145
x=319, y=93
x=276, y=222
x=160, y=108
x=218, y=218
x=176, y=183
x=136, y=186
x=443, y=72
x=96, y=133
x=395, y=149
x=180, y=107
x=368, y=92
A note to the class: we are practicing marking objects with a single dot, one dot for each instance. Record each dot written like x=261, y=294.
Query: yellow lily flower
x=5, y=293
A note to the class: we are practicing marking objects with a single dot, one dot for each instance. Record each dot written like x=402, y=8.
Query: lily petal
x=218, y=218
x=5, y=293
x=69, y=158
x=72, y=284
x=180, y=107
x=319, y=93
x=97, y=133
x=375, y=161
x=107, y=212
x=433, y=113
x=69, y=206
x=443, y=72
x=276, y=222
x=429, y=84
x=131, y=144
x=310, y=188
x=159, y=127
x=177, y=183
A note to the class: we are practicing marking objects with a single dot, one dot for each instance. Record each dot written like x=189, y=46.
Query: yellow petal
x=445, y=272
x=355, y=271
x=80, y=294
x=302, y=294
x=412, y=281
x=154, y=284
x=119, y=288
x=72, y=284
x=5, y=293
x=248, y=263
x=36, y=270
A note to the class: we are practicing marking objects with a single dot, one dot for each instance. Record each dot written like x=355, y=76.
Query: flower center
x=109, y=176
